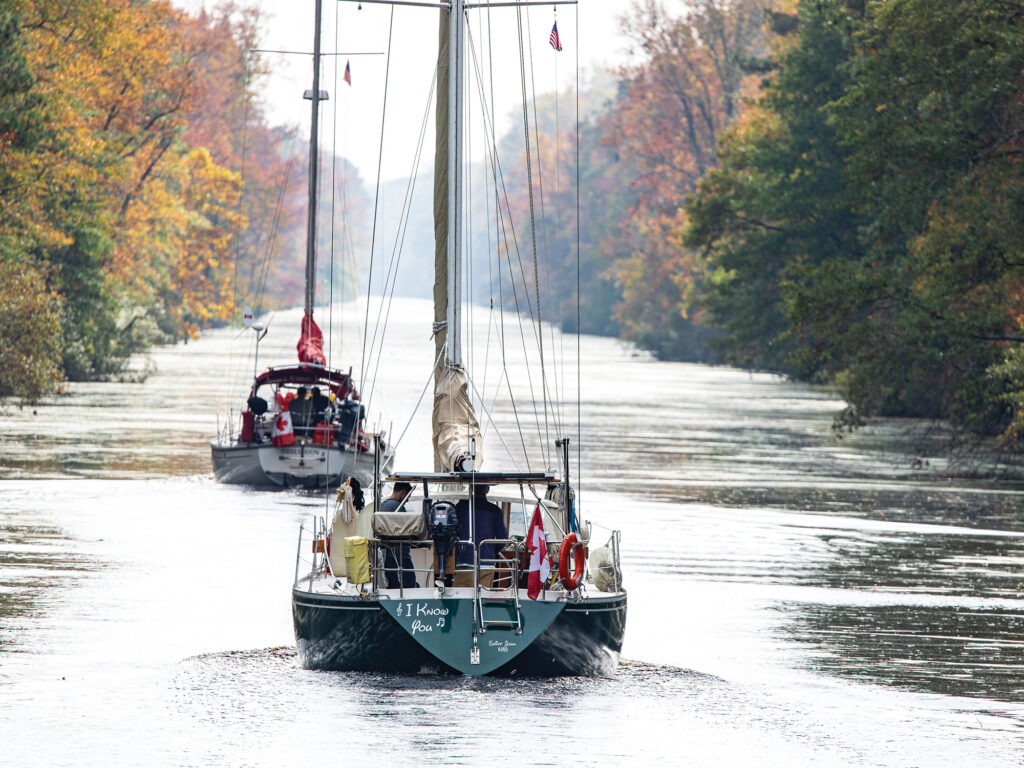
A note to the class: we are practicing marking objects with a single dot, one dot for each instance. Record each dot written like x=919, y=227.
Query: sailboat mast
x=313, y=168
x=456, y=19
x=448, y=186
x=456, y=432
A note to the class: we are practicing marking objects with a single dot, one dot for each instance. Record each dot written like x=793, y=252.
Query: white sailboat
x=439, y=583
x=303, y=423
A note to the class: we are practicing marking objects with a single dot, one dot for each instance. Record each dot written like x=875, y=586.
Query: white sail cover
x=454, y=421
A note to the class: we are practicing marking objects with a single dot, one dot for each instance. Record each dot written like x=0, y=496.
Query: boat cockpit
x=463, y=530
x=303, y=404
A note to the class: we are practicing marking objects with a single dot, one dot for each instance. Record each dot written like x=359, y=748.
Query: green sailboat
x=430, y=579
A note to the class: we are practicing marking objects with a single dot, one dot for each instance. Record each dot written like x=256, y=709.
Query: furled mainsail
x=456, y=430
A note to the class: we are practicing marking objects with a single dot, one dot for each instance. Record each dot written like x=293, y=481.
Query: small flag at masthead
x=556, y=43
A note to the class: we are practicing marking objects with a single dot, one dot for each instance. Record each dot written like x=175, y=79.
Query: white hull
x=294, y=465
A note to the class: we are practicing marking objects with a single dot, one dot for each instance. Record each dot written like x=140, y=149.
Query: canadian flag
x=540, y=562
x=282, y=433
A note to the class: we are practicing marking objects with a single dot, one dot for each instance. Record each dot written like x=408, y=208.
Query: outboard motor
x=443, y=526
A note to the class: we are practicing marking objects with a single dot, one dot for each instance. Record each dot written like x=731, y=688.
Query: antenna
x=261, y=330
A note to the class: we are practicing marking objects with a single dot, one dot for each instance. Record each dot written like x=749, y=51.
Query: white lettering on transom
x=413, y=611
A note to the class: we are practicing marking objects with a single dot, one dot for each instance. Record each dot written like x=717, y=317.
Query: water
x=794, y=599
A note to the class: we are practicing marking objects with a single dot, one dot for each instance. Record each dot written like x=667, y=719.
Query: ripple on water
x=646, y=712
x=428, y=715
x=953, y=650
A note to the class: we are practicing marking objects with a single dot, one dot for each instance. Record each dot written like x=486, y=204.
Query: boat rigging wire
x=544, y=235
x=238, y=219
x=391, y=278
x=496, y=175
x=561, y=396
x=494, y=423
x=430, y=379
x=533, y=227
x=330, y=282
x=268, y=254
x=487, y=197
x=579, y=298
x=376, y=198
x=499, y=180
x=467, y=203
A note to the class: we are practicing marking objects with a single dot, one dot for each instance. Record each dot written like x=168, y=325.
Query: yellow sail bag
x=357, y=559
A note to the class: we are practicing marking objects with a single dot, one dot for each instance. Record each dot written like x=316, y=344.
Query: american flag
x=347, y=77
x=556, y=43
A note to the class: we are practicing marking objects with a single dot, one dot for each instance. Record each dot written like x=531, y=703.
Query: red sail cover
x=311, y=343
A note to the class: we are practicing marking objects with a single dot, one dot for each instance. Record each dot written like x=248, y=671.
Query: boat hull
x=296, y=465
x=336, y=632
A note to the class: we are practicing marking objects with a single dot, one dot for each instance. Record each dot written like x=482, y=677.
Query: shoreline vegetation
x=827, y=189
x=142, y=187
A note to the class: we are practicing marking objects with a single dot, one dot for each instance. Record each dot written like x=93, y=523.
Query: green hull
x=333, y=632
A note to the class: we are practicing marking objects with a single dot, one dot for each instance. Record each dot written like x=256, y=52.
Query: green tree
x=20, y=105
x=931, y=127
x=863, y=226
x=776, y=208
x=30, y=355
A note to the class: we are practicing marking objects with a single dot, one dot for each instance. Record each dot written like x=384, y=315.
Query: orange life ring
x=571, y=543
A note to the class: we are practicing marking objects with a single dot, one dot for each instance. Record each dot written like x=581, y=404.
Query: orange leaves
x=124, y=82
x=672, y=109
x=120, y=160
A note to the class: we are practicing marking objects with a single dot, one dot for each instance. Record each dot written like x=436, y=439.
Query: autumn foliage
x=828, y=189
x=864, y=223
x=126, y=198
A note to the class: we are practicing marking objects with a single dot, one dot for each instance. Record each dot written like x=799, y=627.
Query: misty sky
x=288, y=25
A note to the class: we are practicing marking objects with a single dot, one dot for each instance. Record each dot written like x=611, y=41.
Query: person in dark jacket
x=488, y=523
x=301, y=409
x=320, y=403
x=393, y=503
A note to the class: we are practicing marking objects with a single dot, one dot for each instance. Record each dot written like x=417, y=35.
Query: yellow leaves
x=201, y=273
x=120, y=80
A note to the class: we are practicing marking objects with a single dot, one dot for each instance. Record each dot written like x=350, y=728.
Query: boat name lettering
x=501, y=646
x=419, y=626
x=423, y=609
x=309, y=452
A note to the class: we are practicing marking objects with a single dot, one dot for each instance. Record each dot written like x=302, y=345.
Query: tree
x=106, y=192
x=30, y=359
x=931, y=125
x=777, y=208
x=863, y=226
x=664, y=127
x=603, y=203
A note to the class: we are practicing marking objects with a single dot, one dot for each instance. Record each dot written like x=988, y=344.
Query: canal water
x=796, y=599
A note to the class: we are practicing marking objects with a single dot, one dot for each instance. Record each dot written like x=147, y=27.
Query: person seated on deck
x=320, y=403
x=488, y=523
x=393, y=503
x=302, y=412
